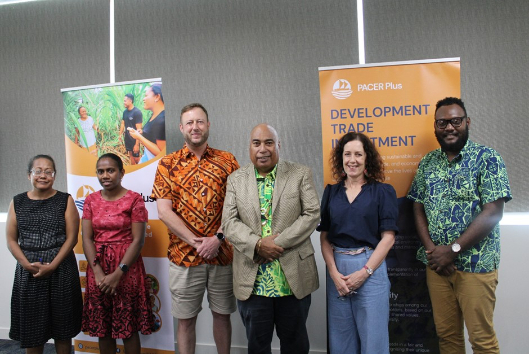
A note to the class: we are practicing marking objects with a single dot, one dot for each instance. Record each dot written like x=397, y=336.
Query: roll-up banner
x=394, y=104
x=96, y=122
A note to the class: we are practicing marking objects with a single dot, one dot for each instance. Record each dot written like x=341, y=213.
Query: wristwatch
x=369, y=271
x=456, y=247
x=124, y=268
x=220, y=236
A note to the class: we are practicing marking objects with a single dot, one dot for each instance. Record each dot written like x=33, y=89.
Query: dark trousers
x=289, y=315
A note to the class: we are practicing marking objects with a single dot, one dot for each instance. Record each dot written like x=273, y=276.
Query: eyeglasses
x=40, y=172
x=443, y=123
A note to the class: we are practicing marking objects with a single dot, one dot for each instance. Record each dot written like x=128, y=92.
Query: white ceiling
x=11, y=2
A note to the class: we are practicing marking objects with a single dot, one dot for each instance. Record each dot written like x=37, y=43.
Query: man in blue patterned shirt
x=459, y=193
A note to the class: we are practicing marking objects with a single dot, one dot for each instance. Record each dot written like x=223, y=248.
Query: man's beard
x=457, y=145
x=201, y=142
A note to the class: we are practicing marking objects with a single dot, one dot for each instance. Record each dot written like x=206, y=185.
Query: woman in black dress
x=41, y=231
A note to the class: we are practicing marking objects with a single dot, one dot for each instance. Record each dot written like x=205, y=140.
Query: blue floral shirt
x=453, y=194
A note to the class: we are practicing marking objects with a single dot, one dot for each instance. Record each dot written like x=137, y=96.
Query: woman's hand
x=99, y=275
x=134, y=133
x=355, y=280
x=340, y=284
x=45, y=270
x=32, y=268
x=109, y=284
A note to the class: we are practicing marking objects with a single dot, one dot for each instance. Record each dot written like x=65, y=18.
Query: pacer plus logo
x=341, y=89
x=81, y=195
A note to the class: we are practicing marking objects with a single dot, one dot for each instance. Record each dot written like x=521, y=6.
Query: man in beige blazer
x=270, y=210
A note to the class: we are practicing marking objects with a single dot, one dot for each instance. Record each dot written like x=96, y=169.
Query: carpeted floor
x=12, y=347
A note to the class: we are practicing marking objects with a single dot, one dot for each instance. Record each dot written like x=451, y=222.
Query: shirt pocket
x=465, y=185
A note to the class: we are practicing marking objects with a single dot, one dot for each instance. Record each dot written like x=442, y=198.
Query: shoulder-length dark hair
x=374, y=163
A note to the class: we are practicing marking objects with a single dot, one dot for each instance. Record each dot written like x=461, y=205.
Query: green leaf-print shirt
x=453, y=194
x=270, y=280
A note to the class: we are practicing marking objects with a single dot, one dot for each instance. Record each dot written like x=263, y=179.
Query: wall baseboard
x=201, y=347
x=212, y=349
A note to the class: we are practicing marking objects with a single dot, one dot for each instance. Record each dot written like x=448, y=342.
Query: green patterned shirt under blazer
x=270, y=280
x=295, y=215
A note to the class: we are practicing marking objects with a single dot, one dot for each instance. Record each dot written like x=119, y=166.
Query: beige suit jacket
x=295, y=215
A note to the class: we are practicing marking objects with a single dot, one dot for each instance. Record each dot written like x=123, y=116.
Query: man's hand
x=208, y=247
x=269, y=250
x=441, y=259
x=136, y=149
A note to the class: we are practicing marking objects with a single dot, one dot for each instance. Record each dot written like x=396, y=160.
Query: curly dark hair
x=448, y=101
x=374, y=163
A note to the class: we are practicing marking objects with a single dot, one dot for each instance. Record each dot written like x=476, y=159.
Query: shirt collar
x=468, y=146
x=270, y=175
x=463, y=152
x=186, y=152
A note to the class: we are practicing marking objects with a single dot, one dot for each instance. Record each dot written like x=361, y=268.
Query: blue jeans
x=289, y=315
x=358, y=323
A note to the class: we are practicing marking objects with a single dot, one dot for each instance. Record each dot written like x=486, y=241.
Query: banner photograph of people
x=126, y=119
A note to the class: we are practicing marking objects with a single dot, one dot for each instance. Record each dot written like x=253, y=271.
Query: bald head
x=264, y=148
x=266, y=127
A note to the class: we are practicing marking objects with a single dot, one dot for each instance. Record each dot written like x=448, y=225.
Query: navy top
x=155, y=129
x=360, y=223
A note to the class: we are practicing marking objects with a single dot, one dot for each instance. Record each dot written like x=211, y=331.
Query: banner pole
x=360, y=20
x=112, y=56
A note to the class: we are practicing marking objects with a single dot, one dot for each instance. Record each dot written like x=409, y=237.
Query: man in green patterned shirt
x=459, y=193
x=270, y=211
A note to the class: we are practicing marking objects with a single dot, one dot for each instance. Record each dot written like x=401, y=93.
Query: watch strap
x=220, y=236
x=369, y=271
x=124, y=268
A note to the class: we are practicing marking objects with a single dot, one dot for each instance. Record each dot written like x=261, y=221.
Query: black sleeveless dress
x=44, y=308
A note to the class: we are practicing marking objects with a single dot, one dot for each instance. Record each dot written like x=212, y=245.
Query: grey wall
x=249, y=62
x=44, y=46
x=492, y=38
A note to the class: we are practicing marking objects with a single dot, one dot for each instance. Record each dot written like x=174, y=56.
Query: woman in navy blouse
x=358, y=226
